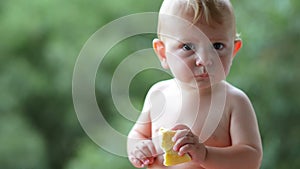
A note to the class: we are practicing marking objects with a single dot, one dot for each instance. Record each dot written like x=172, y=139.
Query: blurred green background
x=40, y=42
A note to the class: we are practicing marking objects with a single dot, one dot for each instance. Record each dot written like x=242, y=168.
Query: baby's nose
x=203, y=61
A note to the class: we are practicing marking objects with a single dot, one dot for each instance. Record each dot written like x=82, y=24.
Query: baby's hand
x=187, y=142
x=143, y=154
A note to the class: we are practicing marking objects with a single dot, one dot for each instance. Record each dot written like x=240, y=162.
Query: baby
x=214, y=121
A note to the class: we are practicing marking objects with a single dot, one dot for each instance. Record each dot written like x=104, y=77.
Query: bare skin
x=232, y=138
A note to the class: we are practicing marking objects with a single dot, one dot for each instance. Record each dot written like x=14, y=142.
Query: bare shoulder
x=236, y=95
x=239, y=102
x=161, y=86
x=155, y=93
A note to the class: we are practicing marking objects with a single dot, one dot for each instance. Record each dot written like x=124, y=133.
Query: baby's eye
x=188, y=46
x=218, y=46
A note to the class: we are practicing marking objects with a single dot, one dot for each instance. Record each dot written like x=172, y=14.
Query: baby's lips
x=201, y=72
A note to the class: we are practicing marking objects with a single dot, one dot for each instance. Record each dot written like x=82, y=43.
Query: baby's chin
x=193, y=85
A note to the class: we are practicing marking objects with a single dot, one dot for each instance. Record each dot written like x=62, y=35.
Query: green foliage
x=90, y=156
x=41, y=40
x=21, y=145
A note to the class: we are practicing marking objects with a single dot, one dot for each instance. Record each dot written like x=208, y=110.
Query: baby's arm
x=246, y=149
x=140, y=148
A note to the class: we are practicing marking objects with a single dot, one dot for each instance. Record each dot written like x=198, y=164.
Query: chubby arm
x=246, y=149
x=140, y=148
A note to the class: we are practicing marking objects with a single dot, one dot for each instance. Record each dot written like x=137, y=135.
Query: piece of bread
x=171, y=157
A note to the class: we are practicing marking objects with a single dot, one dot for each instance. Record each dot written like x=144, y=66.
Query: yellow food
x=171, y=157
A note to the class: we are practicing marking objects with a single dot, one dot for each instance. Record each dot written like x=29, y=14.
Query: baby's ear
x=160, y=50
x=237, y=46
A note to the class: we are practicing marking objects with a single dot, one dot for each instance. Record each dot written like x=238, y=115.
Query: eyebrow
x=220, y=38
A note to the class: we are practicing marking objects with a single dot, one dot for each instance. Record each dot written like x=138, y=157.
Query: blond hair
x=209, y=10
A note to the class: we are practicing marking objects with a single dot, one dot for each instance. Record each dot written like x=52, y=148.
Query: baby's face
x=199, y=53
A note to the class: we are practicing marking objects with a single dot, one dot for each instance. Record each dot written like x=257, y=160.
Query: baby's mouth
x=202, y=72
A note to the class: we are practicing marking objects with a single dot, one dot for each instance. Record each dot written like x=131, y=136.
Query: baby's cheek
x=184, y=70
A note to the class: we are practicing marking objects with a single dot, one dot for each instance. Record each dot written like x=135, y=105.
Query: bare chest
x=211, y=126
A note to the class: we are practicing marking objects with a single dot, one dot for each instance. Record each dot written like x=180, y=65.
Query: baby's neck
x=188, y=89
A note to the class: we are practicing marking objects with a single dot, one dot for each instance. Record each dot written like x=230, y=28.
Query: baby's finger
x=145, y=150
x=151, y=160
x=195, y=151
x=179, y=134
x=137, y=163
x=138, y=154
x=180, y=127
x=182, y=141
x=151, y=150
x=187, y=148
